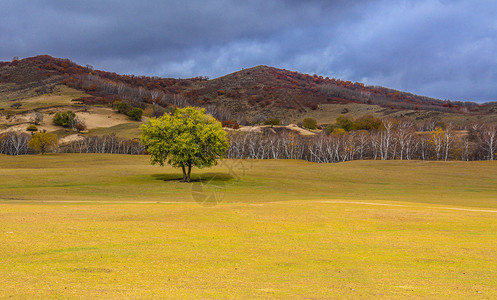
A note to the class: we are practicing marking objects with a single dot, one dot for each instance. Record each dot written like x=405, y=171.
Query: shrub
x=346, y=123
x=122, y=107
x=338, y=131
x=32, y=128
x=230, y=124
x=16, y=105
x=330, y=128
x=64, y=119
x=309, y=123
x=79, y=125
x=37, y=118
x=367, y=122
x=272, y=122
x=135, y=113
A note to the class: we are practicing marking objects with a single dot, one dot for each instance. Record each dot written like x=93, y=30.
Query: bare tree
x=386, y=136
x=404, y=135
x=448, y=140
x=36, y=118
x=156, y=94
x=14, y=143
x=488, y=140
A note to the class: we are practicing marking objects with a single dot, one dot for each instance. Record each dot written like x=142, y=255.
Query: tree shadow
x=205, y=177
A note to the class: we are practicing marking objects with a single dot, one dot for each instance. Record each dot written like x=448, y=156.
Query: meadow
x=112, y=226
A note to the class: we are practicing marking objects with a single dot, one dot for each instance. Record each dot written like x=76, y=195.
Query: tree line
x=394, y=140
x=18, y=143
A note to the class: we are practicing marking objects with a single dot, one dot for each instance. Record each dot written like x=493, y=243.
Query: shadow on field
x=206, y=177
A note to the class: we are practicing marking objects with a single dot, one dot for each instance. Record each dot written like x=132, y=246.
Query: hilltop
x=46, y=85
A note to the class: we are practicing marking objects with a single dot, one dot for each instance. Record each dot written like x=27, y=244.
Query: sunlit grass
x=284, y=229
x=126, y=130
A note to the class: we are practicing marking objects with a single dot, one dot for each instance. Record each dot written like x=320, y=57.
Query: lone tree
x=188, y=138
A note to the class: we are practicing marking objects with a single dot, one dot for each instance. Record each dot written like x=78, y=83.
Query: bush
x=272, y=122
x=135, y=113
x=310, y=123
x=16, y=105
x=330, y=128
x=230, y=124
x=64, y=119
x=122, y=107
x=345, y=123
x=338, y=131
x=79, y=125
x=367, y=122
x=32, y=128
x=37, y=118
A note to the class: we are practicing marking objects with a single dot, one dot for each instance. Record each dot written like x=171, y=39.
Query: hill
x=45, y=84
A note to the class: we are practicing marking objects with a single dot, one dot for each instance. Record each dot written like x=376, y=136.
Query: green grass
x=90, y=177
x=284, y=229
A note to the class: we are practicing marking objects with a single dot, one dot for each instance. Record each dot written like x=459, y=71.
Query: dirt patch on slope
x=260, y=129
x=93, y=117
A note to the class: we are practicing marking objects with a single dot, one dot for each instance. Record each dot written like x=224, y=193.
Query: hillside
x=46, y=85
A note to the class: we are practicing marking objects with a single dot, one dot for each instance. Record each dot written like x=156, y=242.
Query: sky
x=439, y=48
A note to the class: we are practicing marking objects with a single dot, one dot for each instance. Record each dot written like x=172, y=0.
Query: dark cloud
x=444, y=49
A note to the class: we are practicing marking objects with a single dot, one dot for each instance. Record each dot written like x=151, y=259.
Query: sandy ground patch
x=94, y=117
x=293, y=127
x=71, y=138
x=16, y=119
x=301, y=131
x=102, y=117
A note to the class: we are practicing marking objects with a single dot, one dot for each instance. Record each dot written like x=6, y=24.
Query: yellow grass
x=283, y=229
x=62, y=97
x=129, y=130
x=327, y=114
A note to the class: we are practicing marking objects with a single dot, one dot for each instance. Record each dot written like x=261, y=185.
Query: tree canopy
x=43, y=142
x=188, y=138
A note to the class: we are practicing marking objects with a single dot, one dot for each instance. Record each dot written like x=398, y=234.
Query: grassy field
x=327, y=114
x=110, y=226
x=62, y=97
x=126, y=130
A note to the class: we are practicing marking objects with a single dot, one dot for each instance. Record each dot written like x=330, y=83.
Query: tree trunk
x=189, y=172
x=184, y=172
